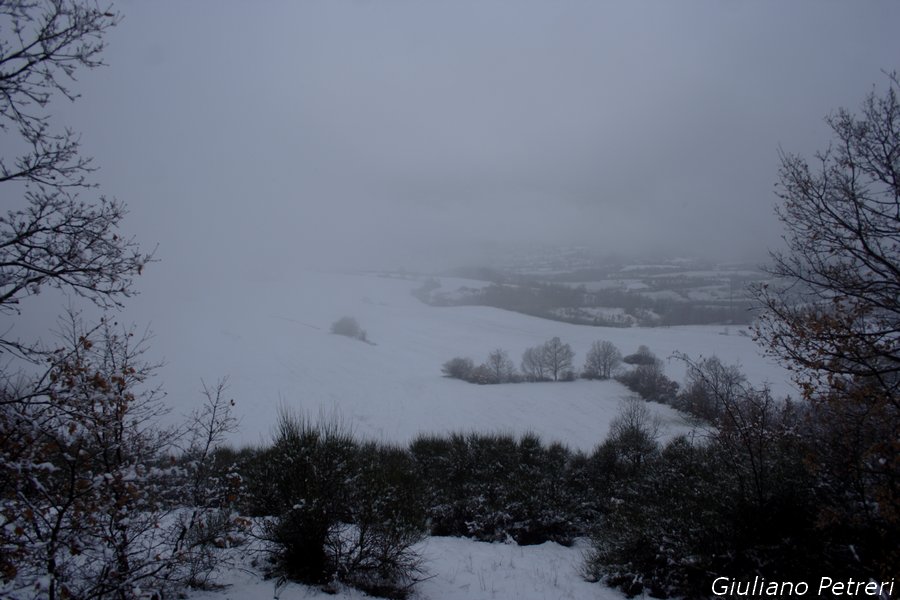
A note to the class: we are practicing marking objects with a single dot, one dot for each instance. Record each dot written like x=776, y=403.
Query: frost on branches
x=91, y=492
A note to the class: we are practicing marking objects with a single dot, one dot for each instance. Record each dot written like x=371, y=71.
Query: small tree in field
x=533, y=365
x=558, y=358
x=602, y=360
x=500, y=368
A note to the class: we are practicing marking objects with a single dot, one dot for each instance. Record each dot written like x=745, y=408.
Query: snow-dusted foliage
x=208, y=487
x=650, y=383
x=495, y=487
x=89, y=491
x=738, y=504
x=81, y=473
x=338, y=509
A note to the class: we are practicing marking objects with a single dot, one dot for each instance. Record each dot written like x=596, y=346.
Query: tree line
x=551, y=361
x=573, y=304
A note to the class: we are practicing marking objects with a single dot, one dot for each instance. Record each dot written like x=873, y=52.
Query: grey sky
x=250, y=137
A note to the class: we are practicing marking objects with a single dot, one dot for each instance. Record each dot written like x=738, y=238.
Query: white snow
x=276, y=350
x=455, y=569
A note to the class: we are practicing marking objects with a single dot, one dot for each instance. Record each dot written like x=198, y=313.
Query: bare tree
x=500, y=367
x=82, y=473
x=45, y=44
x=841, y=318
x=634, y=431
x=836, y=322
x=710, y=387
x=209, y=489
x=533, y=365
x=557, y=357
x=602, y=360
x=53, y=237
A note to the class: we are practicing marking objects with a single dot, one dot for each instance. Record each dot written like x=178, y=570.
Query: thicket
x=316, y=480
x=646, y=378
x=495, y=487
x=554, y=360
x=740, y=501
x=665, y=519
x=737, y=503
x=336, y=509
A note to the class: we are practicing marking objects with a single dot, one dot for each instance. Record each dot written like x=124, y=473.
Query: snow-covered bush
x=208, y=490
x=348, y=326
x=338, y=510
x=92, y=491
x=308, y=468
x=643, y=356
x=737, y=505
x=494, y=487
x=458, y=368
x=373, y=551
x=88, y=487
x=650, y=383
x=82, y=484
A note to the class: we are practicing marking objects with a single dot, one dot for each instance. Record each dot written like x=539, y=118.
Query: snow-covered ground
x=455, y=569
x=274, y=345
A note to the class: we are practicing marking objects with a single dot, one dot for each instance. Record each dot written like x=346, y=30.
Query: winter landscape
x=433, y=300
x=271, y=348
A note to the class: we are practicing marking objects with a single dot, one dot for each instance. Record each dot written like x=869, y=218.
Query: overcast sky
x=248, y=138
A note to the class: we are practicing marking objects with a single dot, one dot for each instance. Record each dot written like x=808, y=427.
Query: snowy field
x=276, y=349
x=273, y=342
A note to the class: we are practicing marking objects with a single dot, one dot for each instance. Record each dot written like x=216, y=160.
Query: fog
x=272, y=155
x=250, y=139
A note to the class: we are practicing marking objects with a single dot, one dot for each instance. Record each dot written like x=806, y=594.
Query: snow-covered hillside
x=275, y=347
